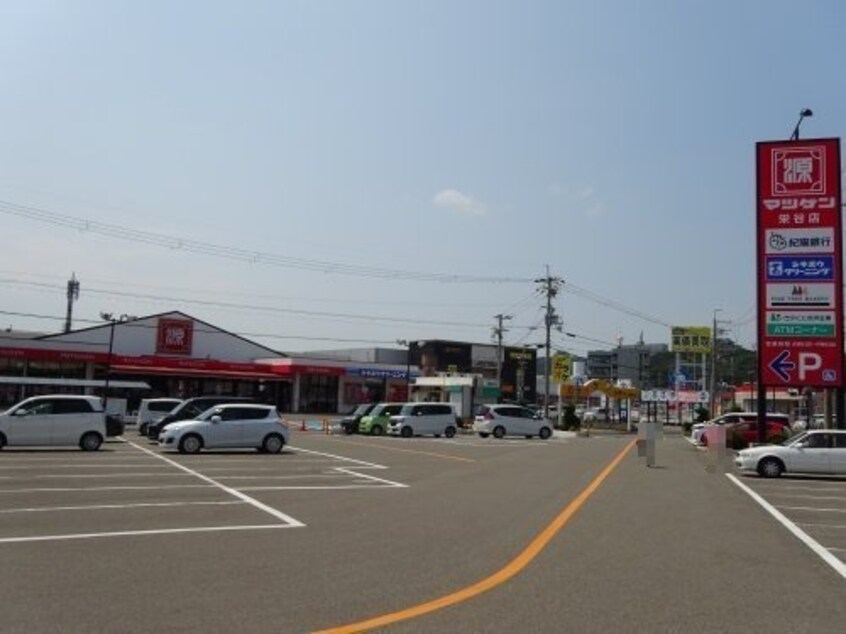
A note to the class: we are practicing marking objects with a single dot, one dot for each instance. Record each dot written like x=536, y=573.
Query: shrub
x=570, y=421
x=686, y=427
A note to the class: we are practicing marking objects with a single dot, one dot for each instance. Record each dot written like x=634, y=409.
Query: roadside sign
x=560, y=367
x=800, y=263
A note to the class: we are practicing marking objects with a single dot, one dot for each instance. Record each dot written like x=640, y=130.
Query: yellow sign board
x=561, y=363
x=691, y=339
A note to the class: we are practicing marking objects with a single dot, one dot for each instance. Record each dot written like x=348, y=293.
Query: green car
x=376, y=422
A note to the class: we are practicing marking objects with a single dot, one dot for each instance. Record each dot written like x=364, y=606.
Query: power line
x=235, y=253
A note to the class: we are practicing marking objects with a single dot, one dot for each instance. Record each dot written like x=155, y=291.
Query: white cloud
x=587, y=192
x=462, y=203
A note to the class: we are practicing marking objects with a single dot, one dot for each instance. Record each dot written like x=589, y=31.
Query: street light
x=805, y=112
x=110, y=317
x=407, y=344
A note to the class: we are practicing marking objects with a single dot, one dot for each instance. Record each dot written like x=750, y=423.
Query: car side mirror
x=215, y=419
x=22, y=412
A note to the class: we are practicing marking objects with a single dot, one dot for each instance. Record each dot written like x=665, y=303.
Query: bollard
x=325, y=426
x=303, y=427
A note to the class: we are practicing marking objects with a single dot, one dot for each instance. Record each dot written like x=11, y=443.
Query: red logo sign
x=175, y=336
x=798, y=171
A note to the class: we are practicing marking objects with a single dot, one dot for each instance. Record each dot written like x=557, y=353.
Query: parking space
x=133, y=488
x=816, y=507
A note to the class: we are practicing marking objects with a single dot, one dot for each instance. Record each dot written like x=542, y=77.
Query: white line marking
x=53, y=465
x=821, y=525
x=840, y=550
x=803, y=496
x=114, y=488
x=100, y=507
x=810, y=542
x=331, y=455
x=65, y=476
x=810, y=508
x=164, y=531
x=241, y=496
x=390, y=483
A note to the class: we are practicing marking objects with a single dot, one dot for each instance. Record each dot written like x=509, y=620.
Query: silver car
x=228, y=426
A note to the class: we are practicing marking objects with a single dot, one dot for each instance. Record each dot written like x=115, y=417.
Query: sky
x=319, y=175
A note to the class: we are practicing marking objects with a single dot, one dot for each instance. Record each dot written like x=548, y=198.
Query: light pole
x=407, y=344
x=109, y=317
x=805, y=112
x=713, y=381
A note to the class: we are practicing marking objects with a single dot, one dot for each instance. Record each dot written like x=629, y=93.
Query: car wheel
x=376, y=430
x=449, y=432
x=90, y=441
x=273, y=443
x=483, y=434
x=407, y=432
x=770, y=468
x=142, y=429
x=499, y=431
x=191, y=443
x=348, y=431
x=544, y=433
x=2, y=441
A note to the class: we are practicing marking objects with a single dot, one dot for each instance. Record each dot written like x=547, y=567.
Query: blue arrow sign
x=782, y=366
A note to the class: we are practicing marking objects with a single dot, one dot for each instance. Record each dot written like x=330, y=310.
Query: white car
x=815, y=451
x=416, y=419
x=59, y=419
x=228, y=426
x=509, y=420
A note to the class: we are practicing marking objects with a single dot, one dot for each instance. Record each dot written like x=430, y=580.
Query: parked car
x=509, y=420
x=746, y=432
x=114, y=425
x=814, y=451
x=417, y=419
x=376, y=422
x=595, y=414
x=191, y=408
x=54, y=420
x=153, y=409
x=349, y=423
x=228, y=426
x=698, y=429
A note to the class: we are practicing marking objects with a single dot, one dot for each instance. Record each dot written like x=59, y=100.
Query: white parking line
x=241, y=496
x=101, y=507
x=66, y=476
x=805, y=497
x=390, y=483
x=809, y=541
x=810, y=508
x=165, y=531
x=821, y=525
x=331, y=455
x=111, y=488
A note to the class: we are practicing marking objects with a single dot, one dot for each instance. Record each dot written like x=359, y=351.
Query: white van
x=417, y=419
x=60, y=419
x=152, y=409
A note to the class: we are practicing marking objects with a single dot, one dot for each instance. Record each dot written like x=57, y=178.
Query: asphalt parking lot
x=338, y=530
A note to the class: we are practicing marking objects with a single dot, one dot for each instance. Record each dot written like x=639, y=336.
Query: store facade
x=174, y=354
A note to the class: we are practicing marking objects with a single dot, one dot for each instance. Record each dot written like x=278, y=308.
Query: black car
x=114, y=425
x=192, y=408
x=350, y=422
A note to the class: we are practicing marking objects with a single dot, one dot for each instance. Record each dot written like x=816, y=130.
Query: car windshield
x=361, y=410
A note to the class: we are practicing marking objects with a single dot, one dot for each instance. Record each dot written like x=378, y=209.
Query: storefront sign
x=800, y=269
x=175, y=336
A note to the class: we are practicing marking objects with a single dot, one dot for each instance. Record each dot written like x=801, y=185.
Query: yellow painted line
x=445, y=456
x=515, y=566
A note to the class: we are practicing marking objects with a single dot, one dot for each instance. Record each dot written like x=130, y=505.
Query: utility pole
x=73, y=294
x=498, y=331
x=549, y=286
x=713, y=382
